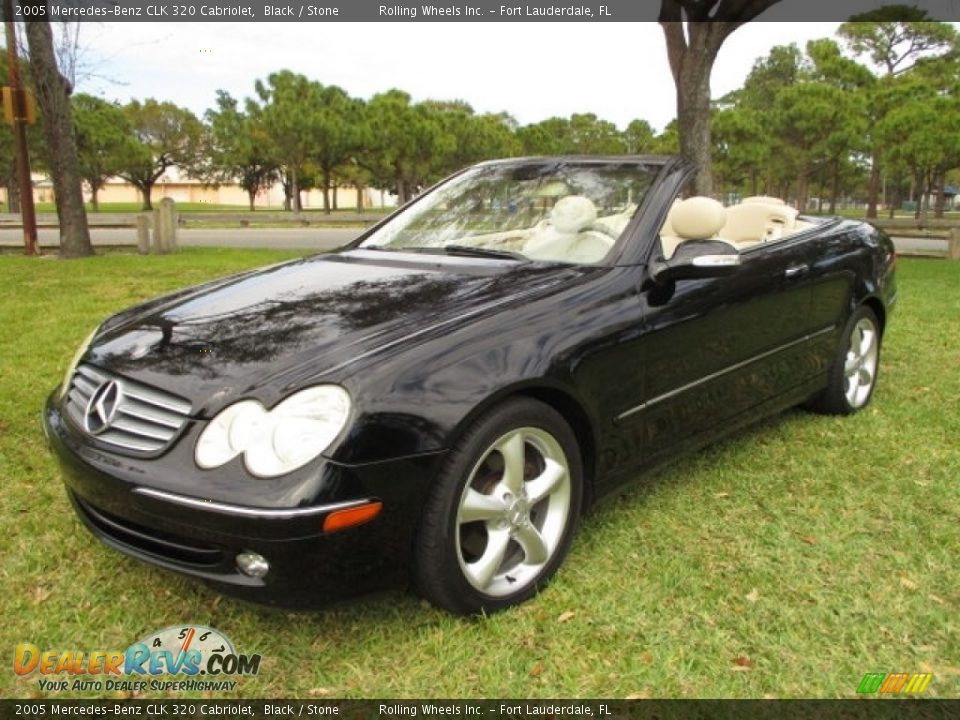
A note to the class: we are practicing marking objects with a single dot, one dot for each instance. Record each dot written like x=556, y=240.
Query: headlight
x=72, y=367
x=277, y=441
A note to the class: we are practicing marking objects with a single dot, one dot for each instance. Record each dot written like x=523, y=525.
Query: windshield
x=565, y=212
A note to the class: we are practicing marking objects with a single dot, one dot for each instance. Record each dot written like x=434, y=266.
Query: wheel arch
x=875, y=304
x=570, y=409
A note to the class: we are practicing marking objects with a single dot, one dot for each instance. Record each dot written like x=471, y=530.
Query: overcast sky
x=531, y=70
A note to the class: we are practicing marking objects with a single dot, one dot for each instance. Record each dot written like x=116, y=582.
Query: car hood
x=262, y=332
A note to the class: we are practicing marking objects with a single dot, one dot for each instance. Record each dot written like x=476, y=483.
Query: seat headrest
x=573, y=213
x=698, y=218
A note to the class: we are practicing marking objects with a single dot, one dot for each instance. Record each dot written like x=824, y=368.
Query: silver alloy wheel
x=860, y=366
x=513, y=511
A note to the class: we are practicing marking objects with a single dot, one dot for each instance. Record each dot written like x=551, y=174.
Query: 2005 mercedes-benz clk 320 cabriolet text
x=441, y=399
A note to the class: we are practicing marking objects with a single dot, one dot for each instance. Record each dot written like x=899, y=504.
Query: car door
x=716, y=348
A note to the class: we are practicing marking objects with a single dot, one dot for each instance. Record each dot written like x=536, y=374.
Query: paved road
x=285, y=238
x=303, y=238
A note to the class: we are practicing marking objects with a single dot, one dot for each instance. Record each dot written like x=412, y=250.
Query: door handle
x=795, y=271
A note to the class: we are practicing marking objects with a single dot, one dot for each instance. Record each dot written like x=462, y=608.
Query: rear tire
x=853, y=374
x=500, y=517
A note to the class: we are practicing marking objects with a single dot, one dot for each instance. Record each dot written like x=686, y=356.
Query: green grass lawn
x=197, y=207
x=786, y=561
x=861, y=213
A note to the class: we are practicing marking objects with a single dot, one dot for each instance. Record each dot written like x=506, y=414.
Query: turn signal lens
x=342, y=519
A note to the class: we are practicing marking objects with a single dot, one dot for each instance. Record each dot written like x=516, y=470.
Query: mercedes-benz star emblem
x=102, y=407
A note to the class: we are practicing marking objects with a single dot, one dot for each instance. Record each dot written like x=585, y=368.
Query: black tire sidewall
x=438, y=572
x=835, y=399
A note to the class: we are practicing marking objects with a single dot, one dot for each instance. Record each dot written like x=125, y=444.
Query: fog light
x=253, y=564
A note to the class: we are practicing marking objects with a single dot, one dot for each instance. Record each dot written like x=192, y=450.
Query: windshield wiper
x=472, y=250
x=465, y=250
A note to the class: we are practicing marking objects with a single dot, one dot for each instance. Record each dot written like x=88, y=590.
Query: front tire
x=853, y=375
x=503, y=511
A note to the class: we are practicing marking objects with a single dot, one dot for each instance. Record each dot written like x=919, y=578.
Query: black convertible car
x=442, y=399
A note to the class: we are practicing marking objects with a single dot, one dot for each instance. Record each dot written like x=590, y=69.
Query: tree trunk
x=941, y=201
x=252, y=197
x=802, y=190
x=359, y=199
x=295, y=190
x=334, y=197
x=94, y=201
x=821, y=183
x=326, y=195
x=873, y=187
x=835, y=187
x=916, y=186
x=693, y=118
x=691, y=57
x=53, y=96
x=146, y=189
x=923, y=206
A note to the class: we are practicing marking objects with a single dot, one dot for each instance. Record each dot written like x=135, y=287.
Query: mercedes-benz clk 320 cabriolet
x=442, y=399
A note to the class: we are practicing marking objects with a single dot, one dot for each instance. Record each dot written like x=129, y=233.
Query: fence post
x=953, y=244
x=143, y=234
x=165, y=226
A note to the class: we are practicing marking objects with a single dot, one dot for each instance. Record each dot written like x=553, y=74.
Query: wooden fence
x=245, y=219
x=943, y=234
x=947, y=231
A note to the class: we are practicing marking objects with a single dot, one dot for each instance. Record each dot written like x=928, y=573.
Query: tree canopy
x=164, y=136
x=872, y=109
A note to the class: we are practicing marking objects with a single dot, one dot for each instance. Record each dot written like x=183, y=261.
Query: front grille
x=146, y=419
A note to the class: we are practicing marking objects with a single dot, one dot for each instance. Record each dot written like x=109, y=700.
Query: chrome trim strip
x=84, y=384
x=140, y=393
x=110, y=437
x=88, y=371
x=156, y=420
x=135, y=427
x=243, y=511
x=724, y=371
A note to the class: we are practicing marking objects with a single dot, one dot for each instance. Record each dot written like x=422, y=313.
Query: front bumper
x=194, y=536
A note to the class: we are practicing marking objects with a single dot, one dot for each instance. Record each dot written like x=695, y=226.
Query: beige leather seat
x=614, y=225
x=755, y=222
x=696, y=218
x=764, y=199
x=568, y=237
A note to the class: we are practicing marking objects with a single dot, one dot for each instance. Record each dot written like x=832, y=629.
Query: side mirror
x=697, y=259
